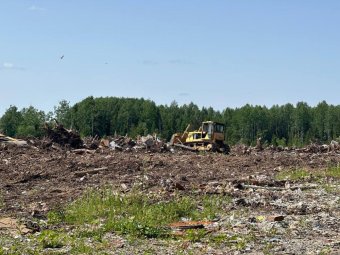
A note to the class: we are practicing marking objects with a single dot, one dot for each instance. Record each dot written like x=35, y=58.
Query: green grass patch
x=195, y=235
x=10, y=246
x=52, y=239
x=333, y=172
x=237, y=241
x=86, y=225
x=300, y=174
x=333, y=189
x=135, y=214
x=2, y=203
x=294, y=175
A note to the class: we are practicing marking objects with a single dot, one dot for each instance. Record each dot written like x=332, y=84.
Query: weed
x=303, y=223
x=55, y=217
x=272, y=232
x=213, y=205
x=52, y=239
x=298, y=174
x=16, y=247
x=237, y=241
x=149, y=251
x=195, y=235
x=2, y=203
x=267, y=248
x=292, y=175
x=333, y=172
x=331, y=188
x=325, y=251
x=80, y=247
x=96, y=234
x=135, y=214
x=218, y=239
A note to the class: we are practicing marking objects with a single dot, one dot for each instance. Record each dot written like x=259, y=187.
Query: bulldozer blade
x=185, y=147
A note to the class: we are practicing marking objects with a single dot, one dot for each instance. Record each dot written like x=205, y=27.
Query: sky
x=218, y=53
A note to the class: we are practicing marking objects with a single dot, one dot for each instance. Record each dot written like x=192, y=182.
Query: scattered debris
x=64, y=137
x=81, y=151
x=261, y=211
x=92, y=171
x=259, y=146
x=125, y=143
x=182, y=225
x=12, y=226
x=9, y=140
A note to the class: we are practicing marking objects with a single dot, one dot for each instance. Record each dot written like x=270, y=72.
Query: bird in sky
x=62, y=57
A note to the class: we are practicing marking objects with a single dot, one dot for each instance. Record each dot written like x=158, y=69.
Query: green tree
x=319, y=125
x=302, y=123
x=10, y=121
x=32, y=123
x=63, y=113
x=84, y=116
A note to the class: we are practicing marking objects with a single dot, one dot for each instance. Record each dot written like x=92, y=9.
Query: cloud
x=36, y=8
x=179, y=62
x=7, y=65
x=149, y=62
x=11, y=66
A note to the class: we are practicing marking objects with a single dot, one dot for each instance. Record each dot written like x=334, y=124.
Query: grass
x=333, y=171
x=293, y=175
x=333, y=189
x=135, y=214
x=195, y=235
x=52, y=239
x=85, y=226
x=2, y=203
x=300, y=174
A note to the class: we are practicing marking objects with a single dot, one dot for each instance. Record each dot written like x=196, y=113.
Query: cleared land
x=56, y=201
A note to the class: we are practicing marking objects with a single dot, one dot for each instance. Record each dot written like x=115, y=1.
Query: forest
x=284, y=125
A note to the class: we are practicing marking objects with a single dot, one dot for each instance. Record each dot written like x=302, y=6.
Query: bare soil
x=37, y=180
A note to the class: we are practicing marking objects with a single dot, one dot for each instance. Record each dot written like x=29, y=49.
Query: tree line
x=285, y=125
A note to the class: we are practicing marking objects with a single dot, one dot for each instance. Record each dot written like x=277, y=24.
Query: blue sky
x=217, y=53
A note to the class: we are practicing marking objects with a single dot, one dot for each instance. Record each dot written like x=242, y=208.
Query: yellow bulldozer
x=209, y=137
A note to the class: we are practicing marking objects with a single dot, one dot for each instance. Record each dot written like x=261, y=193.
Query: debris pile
x=125, y=143
x=121, y=143
x=91, y=143
x=151, y=143
x=9, y=140
x=242, y=149
x=62, y=136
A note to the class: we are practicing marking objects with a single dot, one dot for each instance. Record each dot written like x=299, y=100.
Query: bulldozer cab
x=213, y=130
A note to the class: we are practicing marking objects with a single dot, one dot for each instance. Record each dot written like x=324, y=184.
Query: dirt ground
x=36, y=180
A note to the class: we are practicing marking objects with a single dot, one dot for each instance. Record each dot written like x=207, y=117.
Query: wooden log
x=280, y=188
x=92, y=171
x=80, y=151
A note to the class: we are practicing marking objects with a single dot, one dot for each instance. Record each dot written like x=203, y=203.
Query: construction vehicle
x=209, y=137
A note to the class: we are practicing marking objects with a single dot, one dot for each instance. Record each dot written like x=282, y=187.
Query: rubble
x=62, y=136
x=9, y=140
x=92, y=171
x=12, y=226
x=284, y=216
x=125, y=143
x=242, y=149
